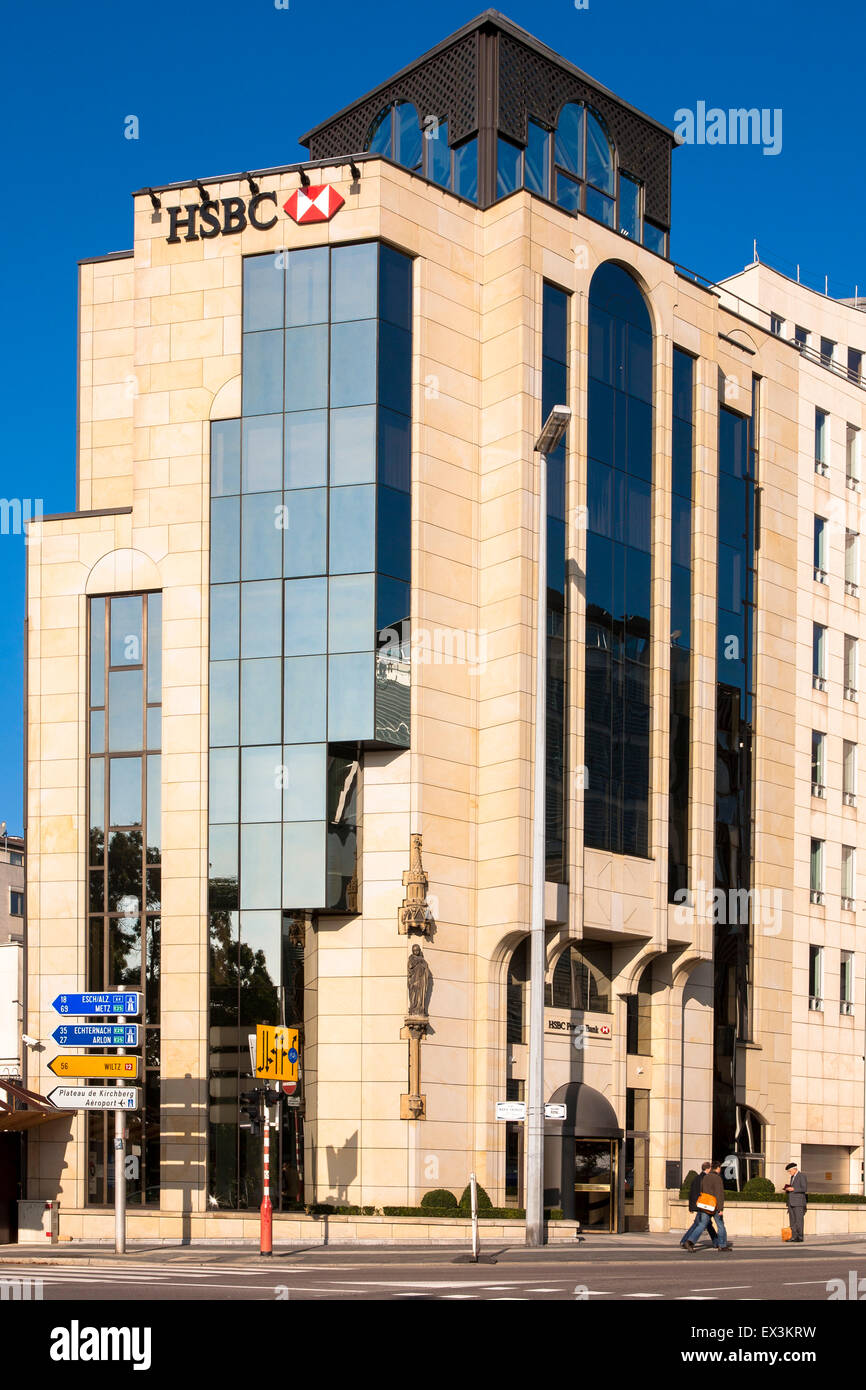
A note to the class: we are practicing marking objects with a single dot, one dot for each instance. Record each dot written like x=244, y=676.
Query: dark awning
x=23, y=1109
x=589, y=1114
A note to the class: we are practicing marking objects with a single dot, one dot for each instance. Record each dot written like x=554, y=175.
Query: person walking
x=703, y=1219
x=796, y=1188
x=713, y=1184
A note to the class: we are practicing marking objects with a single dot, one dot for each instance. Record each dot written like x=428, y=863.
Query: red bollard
x=267, y=1221
x=267, y=1211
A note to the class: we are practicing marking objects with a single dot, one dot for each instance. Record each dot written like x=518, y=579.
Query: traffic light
x=273, y=1097
x=251, y=1108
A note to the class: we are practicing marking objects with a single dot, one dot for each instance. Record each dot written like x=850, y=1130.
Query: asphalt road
x=596, y=1274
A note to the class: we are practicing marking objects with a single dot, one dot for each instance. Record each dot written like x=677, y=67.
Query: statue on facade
x=413, y=1105
x=418, y=979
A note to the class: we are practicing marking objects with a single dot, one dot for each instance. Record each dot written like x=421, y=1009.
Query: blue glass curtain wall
x=125, y=857
x=554, y=391
x=309, y=642
x=737, y=548
x=681, y=609
x=310, y=566
x=618, y=565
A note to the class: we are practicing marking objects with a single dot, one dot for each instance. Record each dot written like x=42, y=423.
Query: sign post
x=473, y=1189
x=267, y=1211
x=115, y=1004
x=276, y=1059
x=120, y=1176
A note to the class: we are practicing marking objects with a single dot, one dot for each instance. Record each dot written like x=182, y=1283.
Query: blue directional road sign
x=96, y=1005
x=96, y=1034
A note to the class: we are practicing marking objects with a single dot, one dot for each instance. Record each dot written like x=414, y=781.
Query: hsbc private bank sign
x=226, y=216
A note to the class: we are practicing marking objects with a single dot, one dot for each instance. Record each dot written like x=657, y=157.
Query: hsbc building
x=281, y=665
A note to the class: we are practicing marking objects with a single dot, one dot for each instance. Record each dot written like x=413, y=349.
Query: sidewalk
x=593, y=1247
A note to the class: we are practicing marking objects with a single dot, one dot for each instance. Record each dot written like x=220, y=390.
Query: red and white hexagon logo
x=314, y=204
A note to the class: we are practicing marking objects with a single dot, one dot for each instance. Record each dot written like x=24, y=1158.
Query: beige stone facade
x=160, y=358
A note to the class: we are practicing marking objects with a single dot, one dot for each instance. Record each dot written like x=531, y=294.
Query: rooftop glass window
x=575, y=166
x=509, y=167
x=397, y=134
x=568, y=142
x=438, y=153
x=599, y=155
x=465, y=172
x=536, y=167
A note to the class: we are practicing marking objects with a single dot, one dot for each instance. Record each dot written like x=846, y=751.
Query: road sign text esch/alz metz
x=116, y=1003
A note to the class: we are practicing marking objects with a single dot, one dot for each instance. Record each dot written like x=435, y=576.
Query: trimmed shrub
x=442, y=1214
x=758, y=1188
x=687, y=1183
x=440, y=1198
x=484, y=1202
x=325, y=1209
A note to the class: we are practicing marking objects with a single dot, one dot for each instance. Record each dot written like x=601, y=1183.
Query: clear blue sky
x=220, y=85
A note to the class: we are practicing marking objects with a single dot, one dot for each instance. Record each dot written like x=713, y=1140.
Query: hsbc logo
x=228, y=216
x=314, y=203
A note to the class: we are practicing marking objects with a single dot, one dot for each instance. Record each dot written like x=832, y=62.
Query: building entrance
x=583, y=1159
x=596, y=1183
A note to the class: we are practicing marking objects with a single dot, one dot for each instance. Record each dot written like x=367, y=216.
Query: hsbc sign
x=314, y=204
x=227, y=216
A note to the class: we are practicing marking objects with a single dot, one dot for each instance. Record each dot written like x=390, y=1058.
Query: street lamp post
x=551, y=434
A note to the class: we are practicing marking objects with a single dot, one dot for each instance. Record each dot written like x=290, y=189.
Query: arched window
x=600, y=174
x=618, y=564
x=575, y=165
x=750, y=1154
x=599, y=155
x=639, y=1017
x=380, y=139
x=569, y=139
x=396, y=134
x=582, y=978
x=518, y=978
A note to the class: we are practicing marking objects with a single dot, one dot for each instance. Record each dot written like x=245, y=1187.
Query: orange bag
x=786, y=1232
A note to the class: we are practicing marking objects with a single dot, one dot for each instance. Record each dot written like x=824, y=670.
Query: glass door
x=596, y=1183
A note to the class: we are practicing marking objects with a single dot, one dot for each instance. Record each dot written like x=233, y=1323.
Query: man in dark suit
x=796, y=1187
x=703, y=1220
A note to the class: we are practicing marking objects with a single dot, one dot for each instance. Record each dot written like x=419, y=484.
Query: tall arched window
x=517, y=980
x=618, y=564
x=599, y=156
x=639, y=1016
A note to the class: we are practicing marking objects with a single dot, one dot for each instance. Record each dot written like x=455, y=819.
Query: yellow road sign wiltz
x=121, y=1068
x=276, y=1053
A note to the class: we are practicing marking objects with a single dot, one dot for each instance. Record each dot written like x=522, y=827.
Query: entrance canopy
x=23, y=1109
x=589, y=1114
